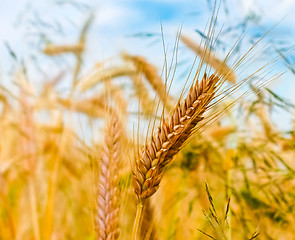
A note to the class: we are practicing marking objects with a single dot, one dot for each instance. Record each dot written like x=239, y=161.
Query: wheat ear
x=93, y=106
x=52, y=49
x=151, y=75
x=99, y=75
x=211, y=59
x=107, y=200
x=146, y=102
x=170, y=138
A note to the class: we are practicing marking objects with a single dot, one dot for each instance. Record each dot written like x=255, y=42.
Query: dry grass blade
x=171, y=137
x=107, y=200
x=209, y=57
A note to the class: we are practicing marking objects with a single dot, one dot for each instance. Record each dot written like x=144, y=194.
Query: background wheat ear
x=107, y=217
x=152, y=77
x=209, y=57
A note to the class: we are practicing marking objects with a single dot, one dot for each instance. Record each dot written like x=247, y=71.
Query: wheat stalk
x=170, y=138
x=107, y=200
x=148, y=229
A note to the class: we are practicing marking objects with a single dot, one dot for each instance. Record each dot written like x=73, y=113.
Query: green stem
x=137, y=220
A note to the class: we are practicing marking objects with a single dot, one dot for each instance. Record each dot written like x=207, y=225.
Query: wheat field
x=125, y=148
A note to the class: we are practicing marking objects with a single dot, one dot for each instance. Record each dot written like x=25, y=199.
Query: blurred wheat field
x=123, y=153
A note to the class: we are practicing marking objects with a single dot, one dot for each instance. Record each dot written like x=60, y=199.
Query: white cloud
x=271, y=9
x=112, y=14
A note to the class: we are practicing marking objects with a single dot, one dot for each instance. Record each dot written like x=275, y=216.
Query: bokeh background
x=64, y=63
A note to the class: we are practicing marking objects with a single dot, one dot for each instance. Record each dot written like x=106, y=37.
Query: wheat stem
x=137, y=220
x=34, y=212
x=147, y=228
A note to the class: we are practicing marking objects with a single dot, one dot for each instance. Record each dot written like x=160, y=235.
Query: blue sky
x=132, y=26
x=118, y=19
